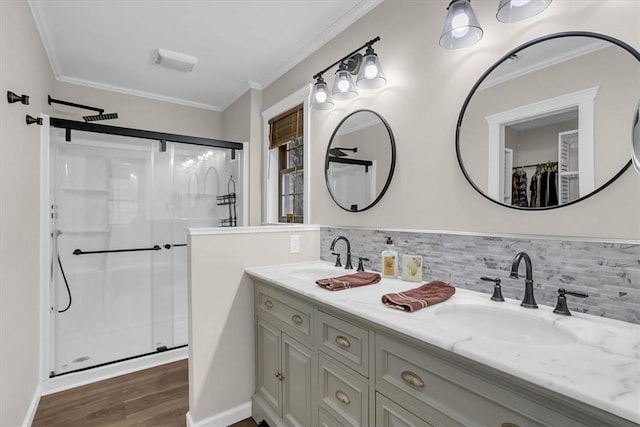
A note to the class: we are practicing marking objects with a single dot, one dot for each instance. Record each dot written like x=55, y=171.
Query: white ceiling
x=111, y=44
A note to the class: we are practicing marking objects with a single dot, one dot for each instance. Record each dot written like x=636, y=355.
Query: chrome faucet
x=529, y=300
x=348, y=265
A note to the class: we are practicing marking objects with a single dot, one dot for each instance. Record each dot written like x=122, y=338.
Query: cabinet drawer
x=423, y=384
x=327, y=420
x=296, y=316
x=389, y=414
x=343, y=394
x=346, y=342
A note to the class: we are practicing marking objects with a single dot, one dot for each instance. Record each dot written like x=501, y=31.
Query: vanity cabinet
x=317, y=365
x=285, y=367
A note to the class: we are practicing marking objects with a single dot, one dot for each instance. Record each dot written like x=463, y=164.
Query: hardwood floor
x=156, y=397
x=245, y=423
x=153, y=397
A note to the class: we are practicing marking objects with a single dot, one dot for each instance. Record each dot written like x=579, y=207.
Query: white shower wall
x=112, y=193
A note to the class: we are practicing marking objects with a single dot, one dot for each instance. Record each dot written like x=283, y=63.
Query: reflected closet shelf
x=89, y=231
x=87, y=190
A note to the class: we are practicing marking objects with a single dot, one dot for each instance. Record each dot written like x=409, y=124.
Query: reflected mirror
x=360, y=160
x=635, y=147
x=550, y=123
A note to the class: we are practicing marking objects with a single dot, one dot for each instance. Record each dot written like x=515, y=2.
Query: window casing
x=286, y=136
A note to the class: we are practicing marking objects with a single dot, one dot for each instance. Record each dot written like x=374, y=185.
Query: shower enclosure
x=120, y=209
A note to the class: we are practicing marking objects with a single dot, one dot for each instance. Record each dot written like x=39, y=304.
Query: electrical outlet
x=294, y=244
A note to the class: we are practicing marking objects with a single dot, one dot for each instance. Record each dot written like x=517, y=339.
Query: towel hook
x=31, y=120
x=13, y=98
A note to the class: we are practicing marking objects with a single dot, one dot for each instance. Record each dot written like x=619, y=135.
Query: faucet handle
x=338, y=263
x=561, y=305
x=497, y=288
x=360, y=265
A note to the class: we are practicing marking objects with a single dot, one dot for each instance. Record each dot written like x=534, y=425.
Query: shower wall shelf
x=86, y=190
x=91, y=231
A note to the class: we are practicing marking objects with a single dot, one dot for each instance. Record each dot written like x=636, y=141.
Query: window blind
x=285, y=127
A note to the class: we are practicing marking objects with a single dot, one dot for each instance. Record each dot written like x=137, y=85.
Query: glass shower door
x=104, y=239
x=199, y=182
x=122, y=208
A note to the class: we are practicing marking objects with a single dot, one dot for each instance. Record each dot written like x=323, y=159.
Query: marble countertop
x=601, y=367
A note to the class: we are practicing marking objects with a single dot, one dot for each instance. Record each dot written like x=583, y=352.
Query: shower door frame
x=47, y=325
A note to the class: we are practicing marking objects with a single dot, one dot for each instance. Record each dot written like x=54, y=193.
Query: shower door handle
x=108, y=251
x=169, y=246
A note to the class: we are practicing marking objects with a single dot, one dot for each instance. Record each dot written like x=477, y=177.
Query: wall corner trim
x=223, y=419
x=33, y=407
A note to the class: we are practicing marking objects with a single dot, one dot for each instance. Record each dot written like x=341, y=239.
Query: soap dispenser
x=389, y=261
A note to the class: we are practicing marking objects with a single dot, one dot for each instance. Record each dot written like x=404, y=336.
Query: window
x=286, y=136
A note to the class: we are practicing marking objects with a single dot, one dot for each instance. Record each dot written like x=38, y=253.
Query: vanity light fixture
x=366, y=67
x=343, y=86
x=461, y=27
x=516, y=10
x=321, y=97
x=371, y=75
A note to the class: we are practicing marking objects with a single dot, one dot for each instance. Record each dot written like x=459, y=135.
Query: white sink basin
x=505, y=325
x=316, y=273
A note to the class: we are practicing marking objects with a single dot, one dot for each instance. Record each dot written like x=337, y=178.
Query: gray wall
x=24, y=68
x=426, y=88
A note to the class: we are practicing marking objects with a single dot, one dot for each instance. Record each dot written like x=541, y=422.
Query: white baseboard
x=223, y=419
x=33, y=407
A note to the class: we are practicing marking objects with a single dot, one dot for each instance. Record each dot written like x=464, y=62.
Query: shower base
x=77, y=379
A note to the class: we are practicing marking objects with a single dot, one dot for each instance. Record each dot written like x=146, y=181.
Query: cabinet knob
x=268, y=303
x=297, y=319
x=412, y=379
x=342, y=397
x=342, y=341
x=279, y=376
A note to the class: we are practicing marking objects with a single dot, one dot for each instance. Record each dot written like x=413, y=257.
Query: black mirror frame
x=613, y=40
x=391, y=169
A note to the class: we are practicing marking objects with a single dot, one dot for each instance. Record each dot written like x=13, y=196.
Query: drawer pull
x=509, y=425
x=297, y=319
x=268, y=303
x=342, y=397
x=413, y=379
x=342, y=341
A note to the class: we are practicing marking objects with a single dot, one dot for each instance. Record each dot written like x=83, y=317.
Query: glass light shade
x=343, y=86
x=371, y=75
x=517, y=10
x=321, y=97
x=461, y=27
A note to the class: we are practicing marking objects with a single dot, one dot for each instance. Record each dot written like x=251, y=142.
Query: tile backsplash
x=608, y=271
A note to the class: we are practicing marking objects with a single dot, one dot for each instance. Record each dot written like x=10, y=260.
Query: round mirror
x=360, y=160
x=548, y=125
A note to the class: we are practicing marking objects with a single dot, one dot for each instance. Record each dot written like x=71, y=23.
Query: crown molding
x=45, y=36
x=139, y=93
x=553, y=60
x=239, y=92
x=356, y=12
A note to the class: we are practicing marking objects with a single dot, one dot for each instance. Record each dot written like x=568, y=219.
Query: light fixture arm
x=347, y=56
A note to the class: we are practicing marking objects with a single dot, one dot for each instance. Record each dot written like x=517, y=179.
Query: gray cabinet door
x=297, y=369
x=268, y=364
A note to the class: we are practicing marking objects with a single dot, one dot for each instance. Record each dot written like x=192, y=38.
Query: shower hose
x=66, y=284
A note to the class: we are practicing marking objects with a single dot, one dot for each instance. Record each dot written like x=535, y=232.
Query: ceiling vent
x=176, y=60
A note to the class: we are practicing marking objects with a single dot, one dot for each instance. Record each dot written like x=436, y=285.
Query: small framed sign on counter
x=412, y=268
